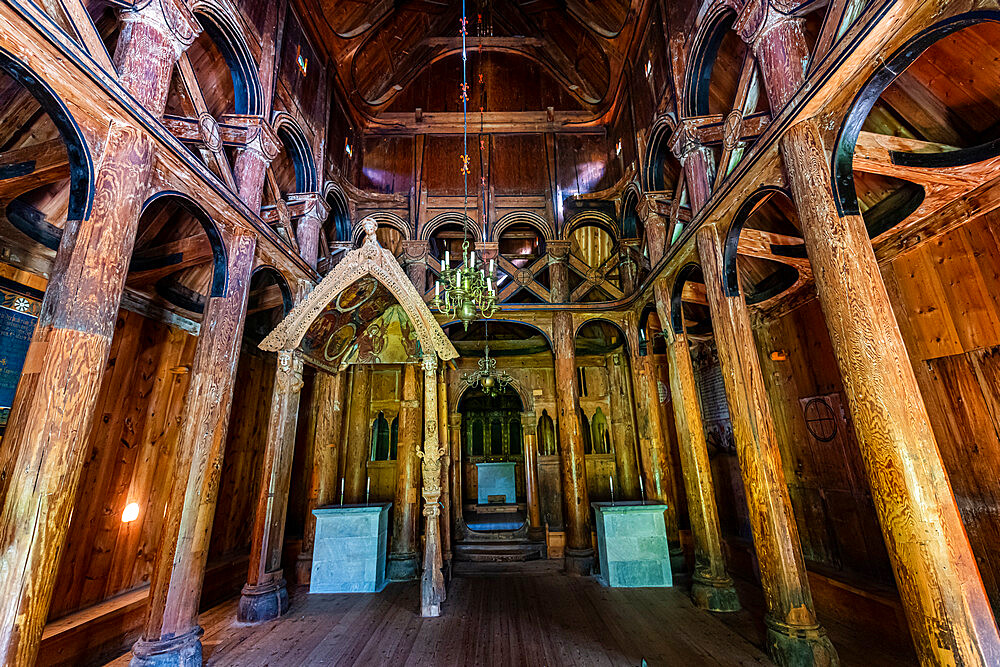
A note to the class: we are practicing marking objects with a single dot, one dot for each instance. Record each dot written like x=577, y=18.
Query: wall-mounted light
x=618, y=147
x=348, y=148
x=300, y=60
x=779, y=355
x=649, y=67
x=130, y=513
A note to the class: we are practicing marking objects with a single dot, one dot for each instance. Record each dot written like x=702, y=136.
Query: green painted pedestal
x=632, y=544
x=349, y=550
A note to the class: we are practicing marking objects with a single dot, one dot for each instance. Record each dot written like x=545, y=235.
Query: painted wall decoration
x=363, y=325
x=19, y=308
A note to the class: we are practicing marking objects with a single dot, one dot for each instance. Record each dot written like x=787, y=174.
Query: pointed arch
x=373, y=260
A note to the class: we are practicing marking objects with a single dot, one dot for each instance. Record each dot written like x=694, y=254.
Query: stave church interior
x=511, y=332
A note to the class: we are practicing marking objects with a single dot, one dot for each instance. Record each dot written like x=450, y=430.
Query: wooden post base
x=799, y=646
x=579, y=562
x=403, y=566
x=263, y=602
x=182, y=651
x=714, y=594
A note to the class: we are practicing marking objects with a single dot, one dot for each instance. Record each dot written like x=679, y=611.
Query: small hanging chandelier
x=468, y=292
x=489, y=380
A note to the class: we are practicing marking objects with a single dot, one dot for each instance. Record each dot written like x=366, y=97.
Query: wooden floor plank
x=537, y=616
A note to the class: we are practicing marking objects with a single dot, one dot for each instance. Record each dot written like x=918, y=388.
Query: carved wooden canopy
x=369, y=261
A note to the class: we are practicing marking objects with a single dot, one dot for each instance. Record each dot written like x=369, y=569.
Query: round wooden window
x=820, y=420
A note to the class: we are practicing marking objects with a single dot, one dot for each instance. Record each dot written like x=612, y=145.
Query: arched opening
x=591, y=276
x=765, y=238
x=522, y=245
x=492, y=460
x=604, y=380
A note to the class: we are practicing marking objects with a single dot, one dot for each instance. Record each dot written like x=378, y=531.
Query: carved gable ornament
x=366, y=279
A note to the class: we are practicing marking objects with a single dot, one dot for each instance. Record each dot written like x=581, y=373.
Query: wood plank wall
x=129, y=451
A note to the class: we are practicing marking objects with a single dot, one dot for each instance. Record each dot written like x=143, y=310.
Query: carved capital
x=558, y=251
x=415, y=252
x=759, y=17
x=171, y=18
x=288, y=375
x=430, y=363
x=259, y=137
x=684, y=140
x=487, y=250
x=312, y=204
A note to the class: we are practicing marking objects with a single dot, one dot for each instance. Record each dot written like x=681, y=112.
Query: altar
x=632, y=544
x=349, y=552
x=495, y=482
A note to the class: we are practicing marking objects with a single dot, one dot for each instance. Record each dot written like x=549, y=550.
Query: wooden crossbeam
x=24, y=169
x=150, y=265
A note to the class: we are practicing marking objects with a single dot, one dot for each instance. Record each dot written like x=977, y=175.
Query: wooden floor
x=533, y=617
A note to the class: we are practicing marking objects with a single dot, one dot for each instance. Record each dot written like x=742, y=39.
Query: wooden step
x=499, y=552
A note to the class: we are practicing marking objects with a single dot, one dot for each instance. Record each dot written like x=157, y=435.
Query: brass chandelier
x=468, y=292
x=489, y=380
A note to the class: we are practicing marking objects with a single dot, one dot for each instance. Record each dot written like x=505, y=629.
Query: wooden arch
x=373, y=260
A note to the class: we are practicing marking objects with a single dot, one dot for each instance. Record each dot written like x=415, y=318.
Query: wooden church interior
x=746, y=264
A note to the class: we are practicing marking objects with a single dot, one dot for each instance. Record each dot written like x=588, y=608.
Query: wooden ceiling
x=380, y=48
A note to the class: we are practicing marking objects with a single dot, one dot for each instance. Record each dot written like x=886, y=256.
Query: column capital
x=259, y=136
x=684, y=141
x=172, y=18
x=288, y=375
x=759, y=17
x=558, y=251
x=487, y=250
x=415, y=251
x=430, y=363
x=310, y=205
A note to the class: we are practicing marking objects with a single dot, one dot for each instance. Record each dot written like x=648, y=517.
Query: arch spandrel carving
x=372, y=260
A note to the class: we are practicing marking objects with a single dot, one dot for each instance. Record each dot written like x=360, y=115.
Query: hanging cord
x=465, y=139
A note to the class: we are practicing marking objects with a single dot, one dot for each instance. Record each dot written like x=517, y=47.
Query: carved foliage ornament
x=370, y=259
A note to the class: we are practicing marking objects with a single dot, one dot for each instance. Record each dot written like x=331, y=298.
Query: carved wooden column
x=623, y=427
x=655, y=223
x=530, y=448
x=432, y=581
x=654, y=449
x=576, y=500
x=794, y=634
x=697, y=161
x=46, y=438
x=711, y=586
x=404, y=562
x=307, y=230
x=172, y=633
x=250, y=168
x=264, y=596
x=455, y=452
x=355, y=469
x=328, y=405
x=446, y=470
x=415, y=262
x=628, y=269
x=940, y=586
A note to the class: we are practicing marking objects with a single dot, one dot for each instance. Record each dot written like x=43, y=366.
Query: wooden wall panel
x=443, y=163
x=830, y=496
x=518, y=164
x=305, y=89
x=130, y=449
x=243, y=460
x=388, y=164
x=582, y=164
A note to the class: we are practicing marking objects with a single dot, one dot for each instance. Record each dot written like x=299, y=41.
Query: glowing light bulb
x=130, y=513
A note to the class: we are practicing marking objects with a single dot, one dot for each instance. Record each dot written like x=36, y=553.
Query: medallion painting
x=363, y=325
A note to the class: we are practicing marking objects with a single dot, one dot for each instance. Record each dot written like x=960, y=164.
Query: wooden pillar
x=46, y=438
x=455, y=452
x=696, y=160
x=939, y=584
x=711, y=586
x=307, y=231
x=795, y=637
x=530, y=447
x=264, y=596
x=172, y=633
x=250, y=166
x=576, y=500
x=623, y=427
x=432, y=581
x=404, y=562
x=355, y=470
x=415, y=259
x=654, y=448
x=656, y=228
x=327, y=414
x=628, y=269
x=446, y=472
